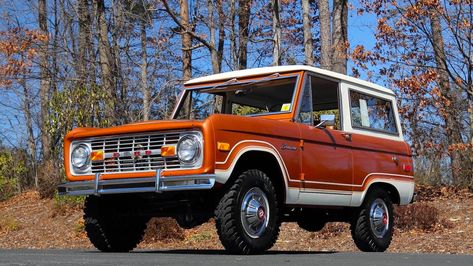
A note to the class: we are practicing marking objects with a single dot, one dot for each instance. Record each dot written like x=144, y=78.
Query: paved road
x=217, y=257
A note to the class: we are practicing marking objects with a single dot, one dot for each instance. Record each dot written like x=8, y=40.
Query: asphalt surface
x=218, y=257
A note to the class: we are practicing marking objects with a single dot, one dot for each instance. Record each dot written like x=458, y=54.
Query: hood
x=153, y=125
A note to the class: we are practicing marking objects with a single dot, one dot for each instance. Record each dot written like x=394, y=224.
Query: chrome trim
x=156, y=184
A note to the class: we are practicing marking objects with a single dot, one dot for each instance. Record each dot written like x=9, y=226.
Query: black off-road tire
x=361, y=231
x=228, y=215
x=109, y=232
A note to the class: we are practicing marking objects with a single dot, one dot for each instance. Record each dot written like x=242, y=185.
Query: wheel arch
x=262, y=159
x=389, y=188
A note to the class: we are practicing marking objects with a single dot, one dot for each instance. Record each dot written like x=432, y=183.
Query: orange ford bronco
x=250, y=148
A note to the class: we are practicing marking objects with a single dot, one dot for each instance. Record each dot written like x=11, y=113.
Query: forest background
x=98, y=63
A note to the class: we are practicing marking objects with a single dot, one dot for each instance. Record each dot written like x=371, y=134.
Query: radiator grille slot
x=135, y=153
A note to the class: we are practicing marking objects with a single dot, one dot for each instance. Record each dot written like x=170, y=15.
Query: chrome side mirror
x=326, y=120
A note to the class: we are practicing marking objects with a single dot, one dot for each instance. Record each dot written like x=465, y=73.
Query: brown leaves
x=17, y=50
x=417, y=82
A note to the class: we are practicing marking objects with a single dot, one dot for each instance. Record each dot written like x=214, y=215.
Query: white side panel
x=323, y=198
x=404, y=188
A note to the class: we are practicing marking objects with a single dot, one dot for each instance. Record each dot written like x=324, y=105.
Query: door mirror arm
x=326, y=120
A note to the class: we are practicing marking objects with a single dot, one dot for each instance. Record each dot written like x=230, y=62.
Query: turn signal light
x=223, y=146
x=168, y=151
x=96, y=155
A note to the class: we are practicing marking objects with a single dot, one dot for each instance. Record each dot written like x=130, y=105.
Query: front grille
x=135, y=153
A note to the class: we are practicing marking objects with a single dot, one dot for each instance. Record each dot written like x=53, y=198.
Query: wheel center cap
x=261, y=213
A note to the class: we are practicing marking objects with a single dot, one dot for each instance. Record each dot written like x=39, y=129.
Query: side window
x=319, y=97
x=305, y=112
x=370, y=112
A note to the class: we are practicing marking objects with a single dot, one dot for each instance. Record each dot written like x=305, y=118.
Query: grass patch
x=63, y=205
x=200, y=237
x=9, y=225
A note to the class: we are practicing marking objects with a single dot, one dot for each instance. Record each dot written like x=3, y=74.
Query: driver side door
x=326, y=163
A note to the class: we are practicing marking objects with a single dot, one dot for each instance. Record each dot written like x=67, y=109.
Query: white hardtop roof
x=279, y=69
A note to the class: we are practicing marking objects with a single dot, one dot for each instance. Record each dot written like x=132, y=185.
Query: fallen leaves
x=453, y=232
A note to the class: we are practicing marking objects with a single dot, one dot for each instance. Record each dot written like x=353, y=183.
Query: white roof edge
x=275, y=69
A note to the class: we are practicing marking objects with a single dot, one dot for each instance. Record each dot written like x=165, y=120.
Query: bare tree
x=233, y=39
x=84, y=42
x=243, y=32
x=105, y=59
x=44, y=89
x=325, y=35
x=339, y=36
x=452, y=125
x=308, y=46
x=144, y=72
x=186, y=41
x=276, y=32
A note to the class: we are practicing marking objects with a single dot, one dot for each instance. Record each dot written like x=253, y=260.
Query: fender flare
x=224, y=169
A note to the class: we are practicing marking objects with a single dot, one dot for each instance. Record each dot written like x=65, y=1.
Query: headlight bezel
x=86, y=168
x=196, y=160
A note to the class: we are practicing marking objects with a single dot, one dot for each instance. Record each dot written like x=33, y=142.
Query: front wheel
x=372, y=228
x=247, y=216
x=107, y=230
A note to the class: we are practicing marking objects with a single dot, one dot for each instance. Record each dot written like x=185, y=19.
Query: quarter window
x=370, y=112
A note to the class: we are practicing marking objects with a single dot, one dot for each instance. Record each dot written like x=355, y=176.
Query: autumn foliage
x=17, y=50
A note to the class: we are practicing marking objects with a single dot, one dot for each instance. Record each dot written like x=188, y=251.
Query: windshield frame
x=248, y=80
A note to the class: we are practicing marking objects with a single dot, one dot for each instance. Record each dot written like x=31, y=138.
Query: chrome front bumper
x=137, y=185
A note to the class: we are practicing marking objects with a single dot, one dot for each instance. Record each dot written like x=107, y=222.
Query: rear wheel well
x=390, y=189
x=265, y=162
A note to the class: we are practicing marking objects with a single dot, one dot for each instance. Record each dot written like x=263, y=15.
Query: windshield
x=251, y=98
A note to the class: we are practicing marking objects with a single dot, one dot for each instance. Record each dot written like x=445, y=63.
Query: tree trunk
x=144, y=73
x=213, y=50
x=84, y=28
x=325, y=35
x=186, y=41
x=276, y=33
x=339, y=36
x=453, y=129
x=233, y=40
x=105, y=60
x=221, y=34
x=308, y=49
x=29, y=127
x=243, y=31
x=44, y=84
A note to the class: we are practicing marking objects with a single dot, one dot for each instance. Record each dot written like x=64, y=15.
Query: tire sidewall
x=385, y=241
x=252, y=181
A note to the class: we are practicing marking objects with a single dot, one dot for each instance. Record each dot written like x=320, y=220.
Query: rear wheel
x=247, y=216
x=372, y=228
x=108, y=231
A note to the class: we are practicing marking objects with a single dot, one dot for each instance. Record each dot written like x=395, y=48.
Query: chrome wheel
x=379, y=218
x=255, y=212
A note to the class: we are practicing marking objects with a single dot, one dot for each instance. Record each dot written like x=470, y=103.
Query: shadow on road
x=223, y=252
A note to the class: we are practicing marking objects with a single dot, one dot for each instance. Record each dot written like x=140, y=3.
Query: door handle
x=347, y=136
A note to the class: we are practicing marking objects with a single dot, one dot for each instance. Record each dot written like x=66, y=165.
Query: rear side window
x=372, y=113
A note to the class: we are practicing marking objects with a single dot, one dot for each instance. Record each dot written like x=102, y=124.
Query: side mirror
x=326, y=120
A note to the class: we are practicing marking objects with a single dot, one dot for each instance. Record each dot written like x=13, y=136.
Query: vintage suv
x=250, y=148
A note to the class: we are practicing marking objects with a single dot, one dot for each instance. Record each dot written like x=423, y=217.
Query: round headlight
x=188, y=149
x=80, y=156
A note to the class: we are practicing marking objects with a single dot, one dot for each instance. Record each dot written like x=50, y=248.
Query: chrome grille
x=135, y=153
